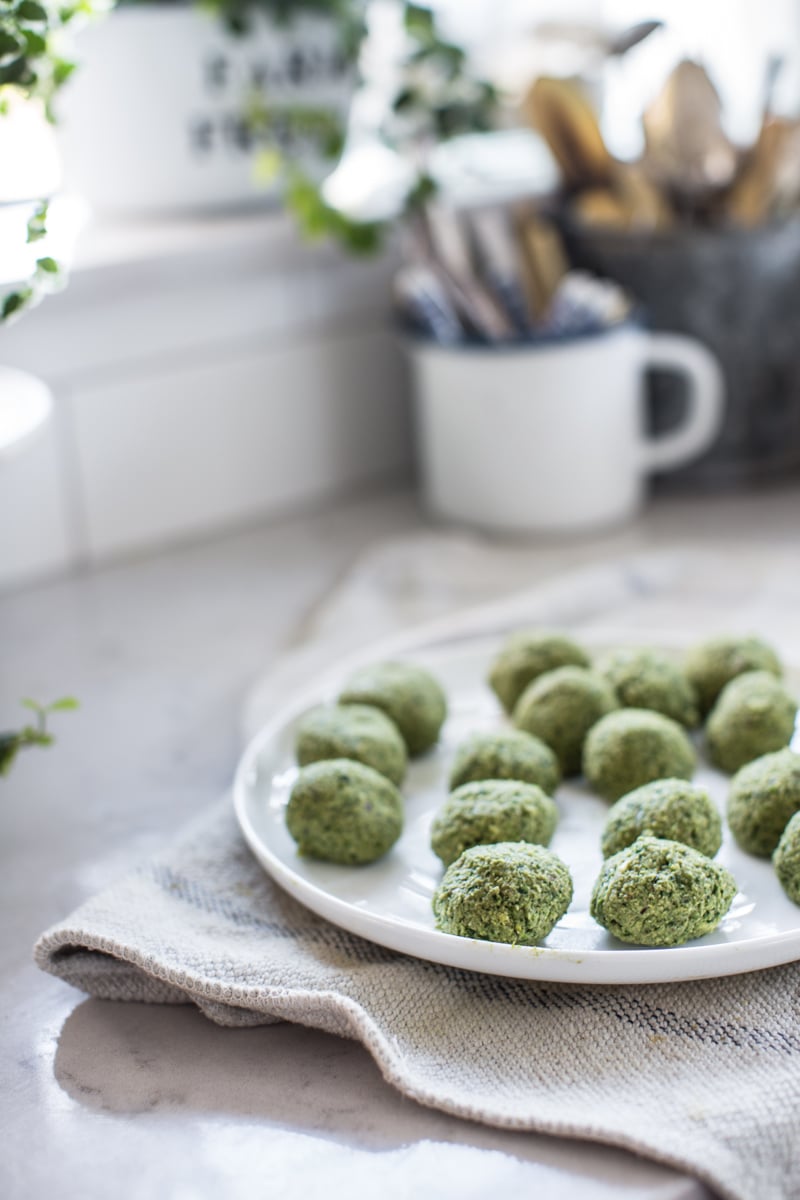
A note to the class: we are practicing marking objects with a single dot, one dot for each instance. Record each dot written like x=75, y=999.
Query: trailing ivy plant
x=37, y=734
x=321, y=129
x=33, y=66
x=274, y=124
x=347, y=15
x=30, y=58
x=439, y=97
x=46, y=274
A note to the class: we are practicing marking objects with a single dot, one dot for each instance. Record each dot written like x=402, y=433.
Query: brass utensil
x=769, y=182
x=544, y=261
x=561, y=112
x=687, y=151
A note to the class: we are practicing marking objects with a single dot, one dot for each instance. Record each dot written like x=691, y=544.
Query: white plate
x=389, y=902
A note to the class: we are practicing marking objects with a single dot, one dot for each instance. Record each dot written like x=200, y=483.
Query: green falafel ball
x=509, y=892
x=632, y=747
x=525, y=656
x=561, y=707
x=753, y=715
x=492, y=810
x=786, y=859
x=764, y=795
x=658, y=892
x=344, y=812
x=716, y=661
x=665, y=808
x=507, y=754
x=646, y=679
x=408, y=694
x=355, y=731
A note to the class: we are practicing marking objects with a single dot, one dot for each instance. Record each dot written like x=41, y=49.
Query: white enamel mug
x=550, y=437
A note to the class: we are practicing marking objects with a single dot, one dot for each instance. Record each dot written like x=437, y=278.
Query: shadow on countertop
x=135, y=1059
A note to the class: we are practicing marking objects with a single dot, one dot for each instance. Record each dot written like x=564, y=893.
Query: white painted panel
x=108, y=319
x=172, y=454
x=355, y=288
x=34, y=537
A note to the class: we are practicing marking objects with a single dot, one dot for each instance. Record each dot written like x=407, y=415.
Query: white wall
x=198, y=387
x=734, y=39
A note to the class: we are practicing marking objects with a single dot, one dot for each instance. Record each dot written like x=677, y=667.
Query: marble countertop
x=140, y=1101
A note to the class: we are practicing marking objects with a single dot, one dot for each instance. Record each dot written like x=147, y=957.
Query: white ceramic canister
x=154, y=120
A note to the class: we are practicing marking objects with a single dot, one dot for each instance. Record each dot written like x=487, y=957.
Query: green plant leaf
x=9, y=747
x=35, y=735
x=11, y=42
x=35, y=43
x=13, y=302
x=17, y=70
x=29, y=10
x=317, y=219
x=268, y=165
x=405, y=99
x=62, y=69
x=37, y=225
x=419, y=22
x=65, y=704
x=423, y=190
x=48, y=265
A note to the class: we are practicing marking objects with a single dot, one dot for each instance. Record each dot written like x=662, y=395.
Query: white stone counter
x=132, y=1101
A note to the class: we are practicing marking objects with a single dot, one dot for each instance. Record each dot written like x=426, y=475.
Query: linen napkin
x=704, y=1075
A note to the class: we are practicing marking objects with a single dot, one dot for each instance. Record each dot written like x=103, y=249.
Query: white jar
x=153, y=121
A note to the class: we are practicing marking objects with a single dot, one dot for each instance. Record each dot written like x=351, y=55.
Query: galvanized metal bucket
x=739, y=292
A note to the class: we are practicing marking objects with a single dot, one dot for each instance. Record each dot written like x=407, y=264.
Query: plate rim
x=657, y=964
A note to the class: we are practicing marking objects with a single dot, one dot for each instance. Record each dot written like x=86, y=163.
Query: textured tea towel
x=703, y=1075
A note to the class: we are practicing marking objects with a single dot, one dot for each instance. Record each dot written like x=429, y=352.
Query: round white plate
x=389, y=902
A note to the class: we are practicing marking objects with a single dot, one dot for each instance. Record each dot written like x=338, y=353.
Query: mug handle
x=705, y=401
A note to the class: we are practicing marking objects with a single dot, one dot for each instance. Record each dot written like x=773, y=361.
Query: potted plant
x=424, y=92
x=32, y=734
x=32, y=70
x=159, y=120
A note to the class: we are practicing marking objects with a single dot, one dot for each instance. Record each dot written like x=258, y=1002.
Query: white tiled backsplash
x=199, y=390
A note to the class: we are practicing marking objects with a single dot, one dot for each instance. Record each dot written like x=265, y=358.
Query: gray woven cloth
x=704, y=1076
